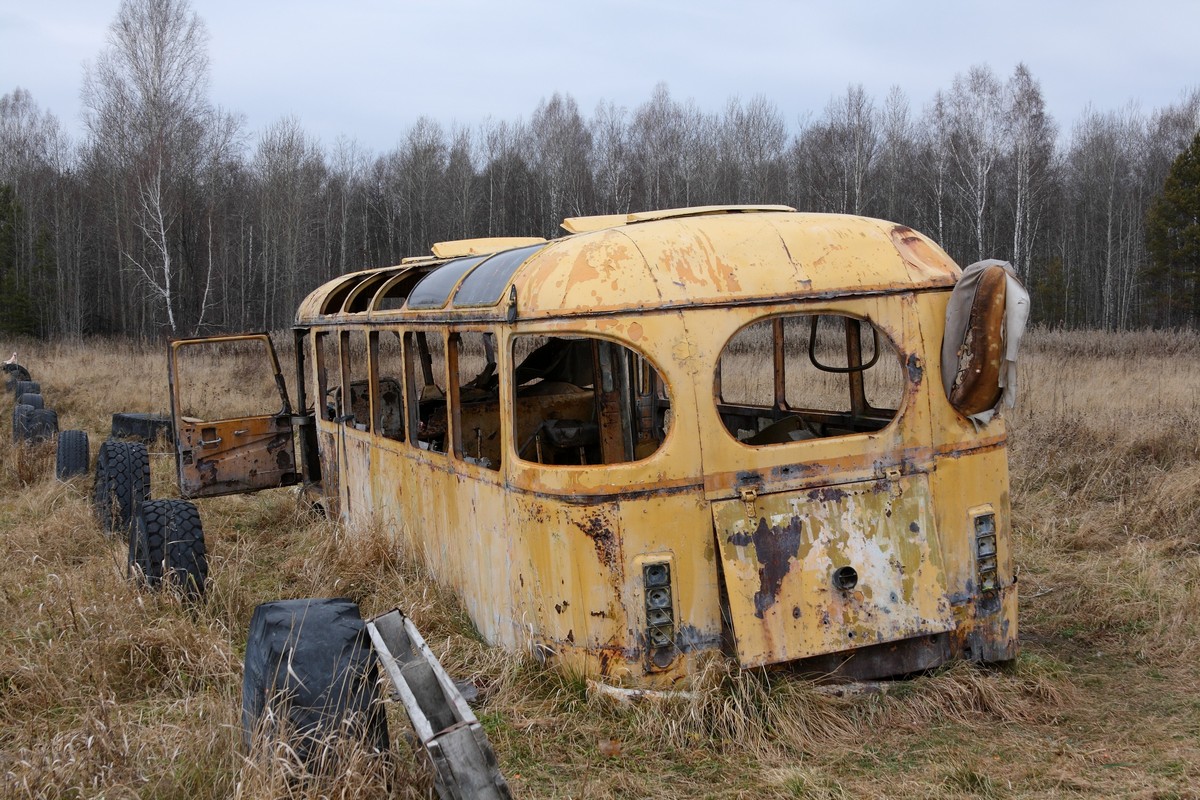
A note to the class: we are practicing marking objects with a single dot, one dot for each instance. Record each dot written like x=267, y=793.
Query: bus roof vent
x=478, y=247
x=585, y=224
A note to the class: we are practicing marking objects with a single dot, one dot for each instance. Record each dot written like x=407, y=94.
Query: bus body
x=665, y=435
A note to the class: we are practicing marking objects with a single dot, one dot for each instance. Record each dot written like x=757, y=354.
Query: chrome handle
x=209, y=442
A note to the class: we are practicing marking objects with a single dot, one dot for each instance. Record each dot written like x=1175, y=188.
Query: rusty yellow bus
x=661, y=436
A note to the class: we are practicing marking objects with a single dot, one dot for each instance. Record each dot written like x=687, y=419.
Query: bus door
x=232, y=416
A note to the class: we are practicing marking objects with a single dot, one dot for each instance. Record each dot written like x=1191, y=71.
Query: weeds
x=109, y=691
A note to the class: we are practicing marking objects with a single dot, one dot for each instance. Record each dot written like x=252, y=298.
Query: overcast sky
x=367, y=69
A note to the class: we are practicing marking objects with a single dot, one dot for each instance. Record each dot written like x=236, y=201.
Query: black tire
x=185, y=562
x=72, y=456
x=309, y=670
x=168, y=542
x=122, y=484
x=41, y=425
x=20, y=421
x=34, y=400
x=141, y=427
x=26, y=387
x=14, y=373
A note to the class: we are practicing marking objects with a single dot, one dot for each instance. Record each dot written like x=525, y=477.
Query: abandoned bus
x=663, y=435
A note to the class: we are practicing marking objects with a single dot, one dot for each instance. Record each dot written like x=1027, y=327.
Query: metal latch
x=750, y=498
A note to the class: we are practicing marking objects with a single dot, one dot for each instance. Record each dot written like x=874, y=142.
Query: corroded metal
x=232, y=456
x=853, y=554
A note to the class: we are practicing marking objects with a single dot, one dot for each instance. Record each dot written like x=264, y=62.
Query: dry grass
x=105, y=691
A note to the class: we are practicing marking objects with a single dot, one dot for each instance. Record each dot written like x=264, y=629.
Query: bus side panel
x=581, y=582
x=981, y=582
x=358, y=504
x=454, y=524
x=568, y=573
x=971, y=483
x=675, y=529
x=327, y=445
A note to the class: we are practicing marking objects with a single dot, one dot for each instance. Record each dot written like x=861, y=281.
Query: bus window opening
x=806, y=376
x=584, y=400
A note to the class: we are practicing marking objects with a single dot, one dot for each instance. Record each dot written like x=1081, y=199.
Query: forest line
x=169, y=217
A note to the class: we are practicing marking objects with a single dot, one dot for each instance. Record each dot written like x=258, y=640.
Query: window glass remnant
x=485, y=285
x=395, y=292
x=434, y=290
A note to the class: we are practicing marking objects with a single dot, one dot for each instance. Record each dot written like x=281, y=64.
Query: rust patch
x=605, y=541
x=913, y=366
x=208, y=471
x=827, y=494
x=775, y=547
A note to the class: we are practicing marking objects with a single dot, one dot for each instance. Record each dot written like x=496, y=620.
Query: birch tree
x=1030, y=136
x=975, y=110
x=148, y=116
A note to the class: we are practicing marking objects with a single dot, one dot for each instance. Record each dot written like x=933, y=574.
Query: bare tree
x=562, y=156
x=752, y=141
x=657, y=139
x=39, y=267
x=1030, y=137
x=897, y=154
x=976, y=116
x=1106, y=222
x=290, y=170
x=461, y=184
x=149, y=119
x=610, y=136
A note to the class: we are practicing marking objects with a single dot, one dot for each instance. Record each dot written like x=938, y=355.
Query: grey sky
x=369, y=68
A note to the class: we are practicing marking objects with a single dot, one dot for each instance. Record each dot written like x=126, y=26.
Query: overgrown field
x=108, y=691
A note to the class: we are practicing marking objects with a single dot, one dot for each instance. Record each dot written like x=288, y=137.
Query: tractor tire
x=26, y=387
x=167, y=542
x=122, y=484
x=310, y=669
x=72, y=455
x=141, y=427
x=34, y=400
x=20, y=421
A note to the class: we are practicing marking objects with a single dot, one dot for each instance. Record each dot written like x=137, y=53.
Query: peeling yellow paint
x=823, y=552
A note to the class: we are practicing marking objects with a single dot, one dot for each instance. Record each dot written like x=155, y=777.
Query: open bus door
x=233, y=419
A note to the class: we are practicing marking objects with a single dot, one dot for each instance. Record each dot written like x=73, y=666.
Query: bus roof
x=667, y=259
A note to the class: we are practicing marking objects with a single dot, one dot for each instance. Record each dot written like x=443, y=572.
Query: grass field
x=107, y=691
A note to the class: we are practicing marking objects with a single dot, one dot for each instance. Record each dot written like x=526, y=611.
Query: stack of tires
x=165, y=536
x=32, y=422
x=166, y=539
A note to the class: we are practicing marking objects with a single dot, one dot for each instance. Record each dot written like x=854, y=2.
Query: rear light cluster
x=660, y=615
x=985, y=551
